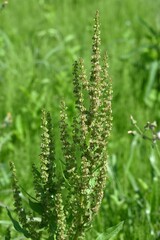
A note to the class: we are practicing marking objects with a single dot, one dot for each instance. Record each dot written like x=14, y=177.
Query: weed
x=69, y=191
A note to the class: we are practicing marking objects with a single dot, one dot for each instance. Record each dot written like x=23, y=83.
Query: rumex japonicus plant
x=66, y=202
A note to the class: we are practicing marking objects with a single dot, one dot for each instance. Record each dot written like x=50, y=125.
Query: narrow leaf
x=111, y=233
x=149, y=27
x=17, y=226
x=36, y=206
x=28, y=193
x=152, y=77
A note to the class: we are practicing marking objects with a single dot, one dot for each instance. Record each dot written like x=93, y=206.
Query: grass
x=39, y=40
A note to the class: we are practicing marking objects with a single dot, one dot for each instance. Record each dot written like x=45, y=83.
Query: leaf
x=17, y=226
x=143, y=184
x=153, y=163
x=19, y=127
x=149, y=27
x=111, y=233
x=28, y=193
x=36, y=206
x=152, y=78
x=133, y=182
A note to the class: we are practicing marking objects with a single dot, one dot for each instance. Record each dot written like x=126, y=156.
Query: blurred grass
x=39, y=40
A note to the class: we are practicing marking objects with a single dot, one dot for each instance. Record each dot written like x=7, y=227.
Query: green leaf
x=17, y=226
x=143, y=184
x=36, y=206
x=28, y=193
x=152, y=78
x=149, y=27
x=153, y=162
x=111, y=233
x=133, y=182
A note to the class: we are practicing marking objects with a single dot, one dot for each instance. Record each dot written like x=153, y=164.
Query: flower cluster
x=149, y=132
x=69, y=191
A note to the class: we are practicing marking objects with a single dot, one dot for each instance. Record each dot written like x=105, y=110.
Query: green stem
x=158, y=151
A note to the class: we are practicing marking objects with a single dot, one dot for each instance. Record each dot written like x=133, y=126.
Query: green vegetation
x=70, y=183
x=39, y=41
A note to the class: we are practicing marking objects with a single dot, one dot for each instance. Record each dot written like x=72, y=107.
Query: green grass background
x=39, y=41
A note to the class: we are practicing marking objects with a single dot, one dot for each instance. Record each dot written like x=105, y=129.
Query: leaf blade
x=111, y=232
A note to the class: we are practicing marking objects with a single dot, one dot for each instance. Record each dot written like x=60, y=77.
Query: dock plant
x=69, y=191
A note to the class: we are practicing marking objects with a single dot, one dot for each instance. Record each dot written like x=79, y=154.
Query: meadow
x=39, y=41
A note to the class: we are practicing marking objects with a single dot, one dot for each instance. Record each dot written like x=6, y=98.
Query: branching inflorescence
x=66, y=201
